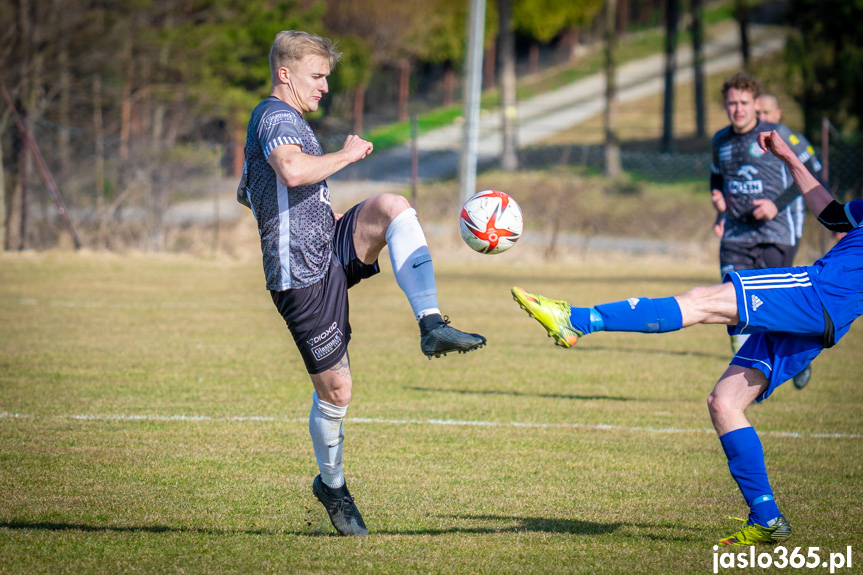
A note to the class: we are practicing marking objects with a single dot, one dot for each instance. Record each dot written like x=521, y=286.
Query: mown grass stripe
x=449, y=422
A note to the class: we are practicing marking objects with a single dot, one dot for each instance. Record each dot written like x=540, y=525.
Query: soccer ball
x=491, y=222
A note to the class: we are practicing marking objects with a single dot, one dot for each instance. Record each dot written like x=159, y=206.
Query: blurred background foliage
x=127, y=98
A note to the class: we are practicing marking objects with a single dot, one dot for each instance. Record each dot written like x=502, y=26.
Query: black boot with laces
x=437, y=338
x=340, y=506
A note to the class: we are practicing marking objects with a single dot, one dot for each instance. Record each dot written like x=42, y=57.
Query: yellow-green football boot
x=756, y=534
x=551, y=313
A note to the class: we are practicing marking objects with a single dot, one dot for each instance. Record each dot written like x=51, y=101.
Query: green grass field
x=153, y=419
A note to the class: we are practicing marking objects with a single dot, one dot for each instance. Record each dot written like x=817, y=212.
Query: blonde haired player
x=312, y=256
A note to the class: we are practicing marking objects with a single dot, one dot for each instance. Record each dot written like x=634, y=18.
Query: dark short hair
x=744, y=82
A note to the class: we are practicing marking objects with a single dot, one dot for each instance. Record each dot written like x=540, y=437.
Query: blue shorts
x=782, y=312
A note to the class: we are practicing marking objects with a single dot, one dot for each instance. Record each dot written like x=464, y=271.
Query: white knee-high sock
x=412, y=264
x=325, y=427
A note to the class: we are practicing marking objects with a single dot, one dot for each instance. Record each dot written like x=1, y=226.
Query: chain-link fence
x=844, y=163
x=142, y=195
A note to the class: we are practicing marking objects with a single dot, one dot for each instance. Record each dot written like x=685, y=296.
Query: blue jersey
x=838, y=276
x=784, y=308
x=297, y=224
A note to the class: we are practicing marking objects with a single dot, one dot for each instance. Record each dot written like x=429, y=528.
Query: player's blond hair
x=293, y=45
x=743, y=82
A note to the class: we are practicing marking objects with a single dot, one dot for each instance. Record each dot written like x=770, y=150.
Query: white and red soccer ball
x=491, y=222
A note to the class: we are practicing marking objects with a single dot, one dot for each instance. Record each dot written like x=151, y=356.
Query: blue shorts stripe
x=776, y=300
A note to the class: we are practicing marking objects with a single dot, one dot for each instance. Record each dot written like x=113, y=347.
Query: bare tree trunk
x=239, y=155
x=698, y=67
x=359, y=106
x=533, y=58
x=742, y=14
x=508, y=82
x=2, y=201
x=404, y=88
x=622, y=16
x=671, y=16
x=30, y=116
x=13, y=198
x=613, y=166
x=488, y=67
x=159, y=176
x=448, y=84
x=171, y=132
x=126, y=97
x=99, y=164
x=24, y=170
x=13, y=236
x=125, y=123
x=64, y=136
x=569, y=44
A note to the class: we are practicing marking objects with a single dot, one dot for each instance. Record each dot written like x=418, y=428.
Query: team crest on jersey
x=755, y=150
x=747, y=172
x=324, y=193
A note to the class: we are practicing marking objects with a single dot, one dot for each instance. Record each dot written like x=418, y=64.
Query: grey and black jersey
x=745, y=173
x=296, y=224
x=806, y=154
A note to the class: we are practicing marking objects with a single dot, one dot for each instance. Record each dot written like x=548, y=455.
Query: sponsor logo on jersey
x=326, y=342
x=794, y=139
x=753, y=187
x=633, y=301
x=756, y=302
x=755, y=150
x=278, y=118
x=750, y=185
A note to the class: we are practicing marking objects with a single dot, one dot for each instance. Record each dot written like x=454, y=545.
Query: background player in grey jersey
x=312, y=256
x=769, y=111
x=750, y=190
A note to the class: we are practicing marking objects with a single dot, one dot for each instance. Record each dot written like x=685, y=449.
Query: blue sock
x=643, y=315
x=746, y=463
x=585, y=319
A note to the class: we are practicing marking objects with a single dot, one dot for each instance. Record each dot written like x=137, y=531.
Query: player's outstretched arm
x=295, y=168
x=814, y=194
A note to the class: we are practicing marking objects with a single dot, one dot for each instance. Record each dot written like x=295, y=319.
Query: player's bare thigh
x=716, y=304
x=372, y=223
x=335, y=384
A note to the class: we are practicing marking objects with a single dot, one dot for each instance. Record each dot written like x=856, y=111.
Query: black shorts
x=317, y=315
x=739, y=257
